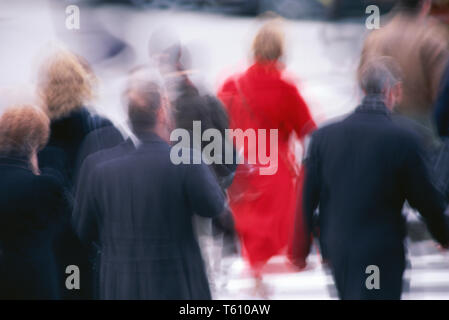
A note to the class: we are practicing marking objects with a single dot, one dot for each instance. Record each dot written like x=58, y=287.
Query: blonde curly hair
x=23, y=130
x=64, y=84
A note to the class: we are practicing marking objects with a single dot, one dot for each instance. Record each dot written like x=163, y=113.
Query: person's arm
x=312, y=183
x=226, y=93
x=441, y=108
x=420, y=191
x=435, y=57
x=203, y=192
x=298, y=114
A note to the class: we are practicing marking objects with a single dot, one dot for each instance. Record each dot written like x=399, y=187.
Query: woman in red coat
x=264, y=205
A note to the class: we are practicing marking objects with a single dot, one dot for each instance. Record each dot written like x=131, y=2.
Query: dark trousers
x=350, y=273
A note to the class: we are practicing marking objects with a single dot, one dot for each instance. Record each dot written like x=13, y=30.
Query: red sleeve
x=226, y=93
x=298, y=114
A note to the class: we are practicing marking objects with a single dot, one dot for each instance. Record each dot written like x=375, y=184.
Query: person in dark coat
x=31, y=204
x=209, y=111
x=65, y=85
x=139, y=209
x=359, y=173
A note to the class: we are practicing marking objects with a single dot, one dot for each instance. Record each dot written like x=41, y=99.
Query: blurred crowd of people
x=78, y=191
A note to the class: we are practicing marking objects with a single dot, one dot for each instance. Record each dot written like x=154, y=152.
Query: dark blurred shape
x=441, y=108
x=292, y=9
x=350, y=8
x=97, y=140
x=359, y=173
x=188, y=105
x=441, y=118
x=440, y=10
x=212, y=115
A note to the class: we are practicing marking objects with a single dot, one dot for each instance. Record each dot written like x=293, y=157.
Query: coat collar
x=373, y=104
x=15, y=161
x=273, y=68
x=149, y=137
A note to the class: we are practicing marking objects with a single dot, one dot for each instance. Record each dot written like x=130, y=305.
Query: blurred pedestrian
x=139, y=209
x=189, y=104
x=65, y=85
x=107, y=142
x=359, y=172
x=31, y=204
x=263, y=206
x=420, y=44
x=219, y=239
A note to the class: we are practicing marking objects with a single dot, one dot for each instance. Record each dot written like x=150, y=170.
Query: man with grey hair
x=359, y=172
x=138, y=208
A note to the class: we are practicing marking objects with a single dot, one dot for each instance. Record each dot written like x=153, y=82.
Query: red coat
x=264, y=205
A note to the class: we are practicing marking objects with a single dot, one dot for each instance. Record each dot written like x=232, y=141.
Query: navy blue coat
x=85, y=174
x=138, y=207
x=30, y=208
x=359, y=172
x=100, y=139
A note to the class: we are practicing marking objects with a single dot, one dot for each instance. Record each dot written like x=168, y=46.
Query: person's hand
x=34, y=164
x=442, y=247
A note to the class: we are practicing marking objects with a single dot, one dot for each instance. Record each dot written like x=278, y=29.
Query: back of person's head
x=65, y=83
x=188, y=109
x=268, y=44
x=144, y=99
x=378, y=75
x=24, y=129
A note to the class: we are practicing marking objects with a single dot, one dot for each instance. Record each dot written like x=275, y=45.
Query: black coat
x=66, y=137
x=30, y=209
x=360, y=171
x=139, y=209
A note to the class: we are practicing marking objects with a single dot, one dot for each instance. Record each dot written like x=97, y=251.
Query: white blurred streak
x=18, y=95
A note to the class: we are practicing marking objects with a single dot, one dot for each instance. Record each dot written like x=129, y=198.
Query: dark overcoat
x=31, y=207
x=62, y=153
x=359, y=172
x=139, y=209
